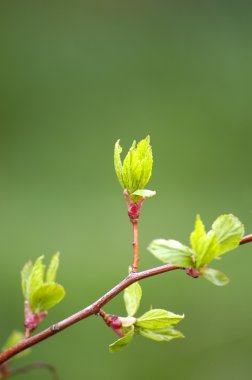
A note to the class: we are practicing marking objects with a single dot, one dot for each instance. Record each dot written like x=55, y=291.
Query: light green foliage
x=225, y=235
x=46, y=296
x=15, y=337
x=205, y=245
x=229, y=231
x=158, y=319
x=215, y=276
x=37, y=276
x=53, y=268
x=161, y=335
x=171, y=252
x=118, y=162
x=132, y=297
x=155, y=324
x=41, y=295
x=122, y=342
x=25, y=277
x=136, y=169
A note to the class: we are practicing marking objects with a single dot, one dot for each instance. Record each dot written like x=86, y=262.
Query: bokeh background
x=74, y=77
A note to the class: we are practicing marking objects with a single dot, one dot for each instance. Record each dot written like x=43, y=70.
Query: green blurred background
x=76, y=76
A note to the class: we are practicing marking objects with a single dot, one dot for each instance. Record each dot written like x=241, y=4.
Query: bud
x=32, y=320
x=193, y=272
x=135, y=171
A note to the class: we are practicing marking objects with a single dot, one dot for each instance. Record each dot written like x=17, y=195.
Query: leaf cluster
x=155, y=324
x=224, y=236
x=39, y=286
x=135, y=171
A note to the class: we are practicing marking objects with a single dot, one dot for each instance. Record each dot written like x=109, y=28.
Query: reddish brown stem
x=87, y=312
x=135, y=246
x=91, y=309
x=246, y=239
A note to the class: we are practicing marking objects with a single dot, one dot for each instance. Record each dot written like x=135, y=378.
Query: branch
x=246, y=239
x=93, y=308
x=84, y=313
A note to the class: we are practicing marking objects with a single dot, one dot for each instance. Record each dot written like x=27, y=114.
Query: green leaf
x=131, y=170
x=53, y=267
x=229, y=231
x=25, y=278
x=145, y=193
x=198, y=236
x=158, y=319
x=46, y=296
x=136, y=170
x=37, y=276
x=161, y=335
x=145, y=158
x=122, y=342
x=15, y=337
x=171, y=252
x=215, y=276
x=118, y=162
x=132, y=297
x=205, y=245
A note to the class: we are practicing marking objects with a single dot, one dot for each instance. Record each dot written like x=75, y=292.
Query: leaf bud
x=135, y=171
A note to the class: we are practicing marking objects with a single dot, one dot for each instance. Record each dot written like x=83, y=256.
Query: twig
x=93, y=308
x=135, y=246
x=82, y=314
x=246, y=239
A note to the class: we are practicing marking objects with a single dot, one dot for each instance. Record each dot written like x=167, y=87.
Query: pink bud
x=134, y=210
x=193, y=272
x=115, y=322
x=32, y=321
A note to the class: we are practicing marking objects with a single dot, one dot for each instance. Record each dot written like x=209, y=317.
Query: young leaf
x=205, y=245
x=131, y=170
x=132, y=296
x=53, y=267
x=25, y=278
x=160, y=335
x=158, y=319
x=145, y=193
x=46, y=296
x=171, y=252
x=229, y=231
x=209, y=250
x=136, y=169
x=122, y=342
x=37, y=276
x=118, y=163
x=215, y=276
x=145, y=158
x=198, y=236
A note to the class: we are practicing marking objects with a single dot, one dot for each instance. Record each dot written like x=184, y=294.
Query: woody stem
x=135, y=246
